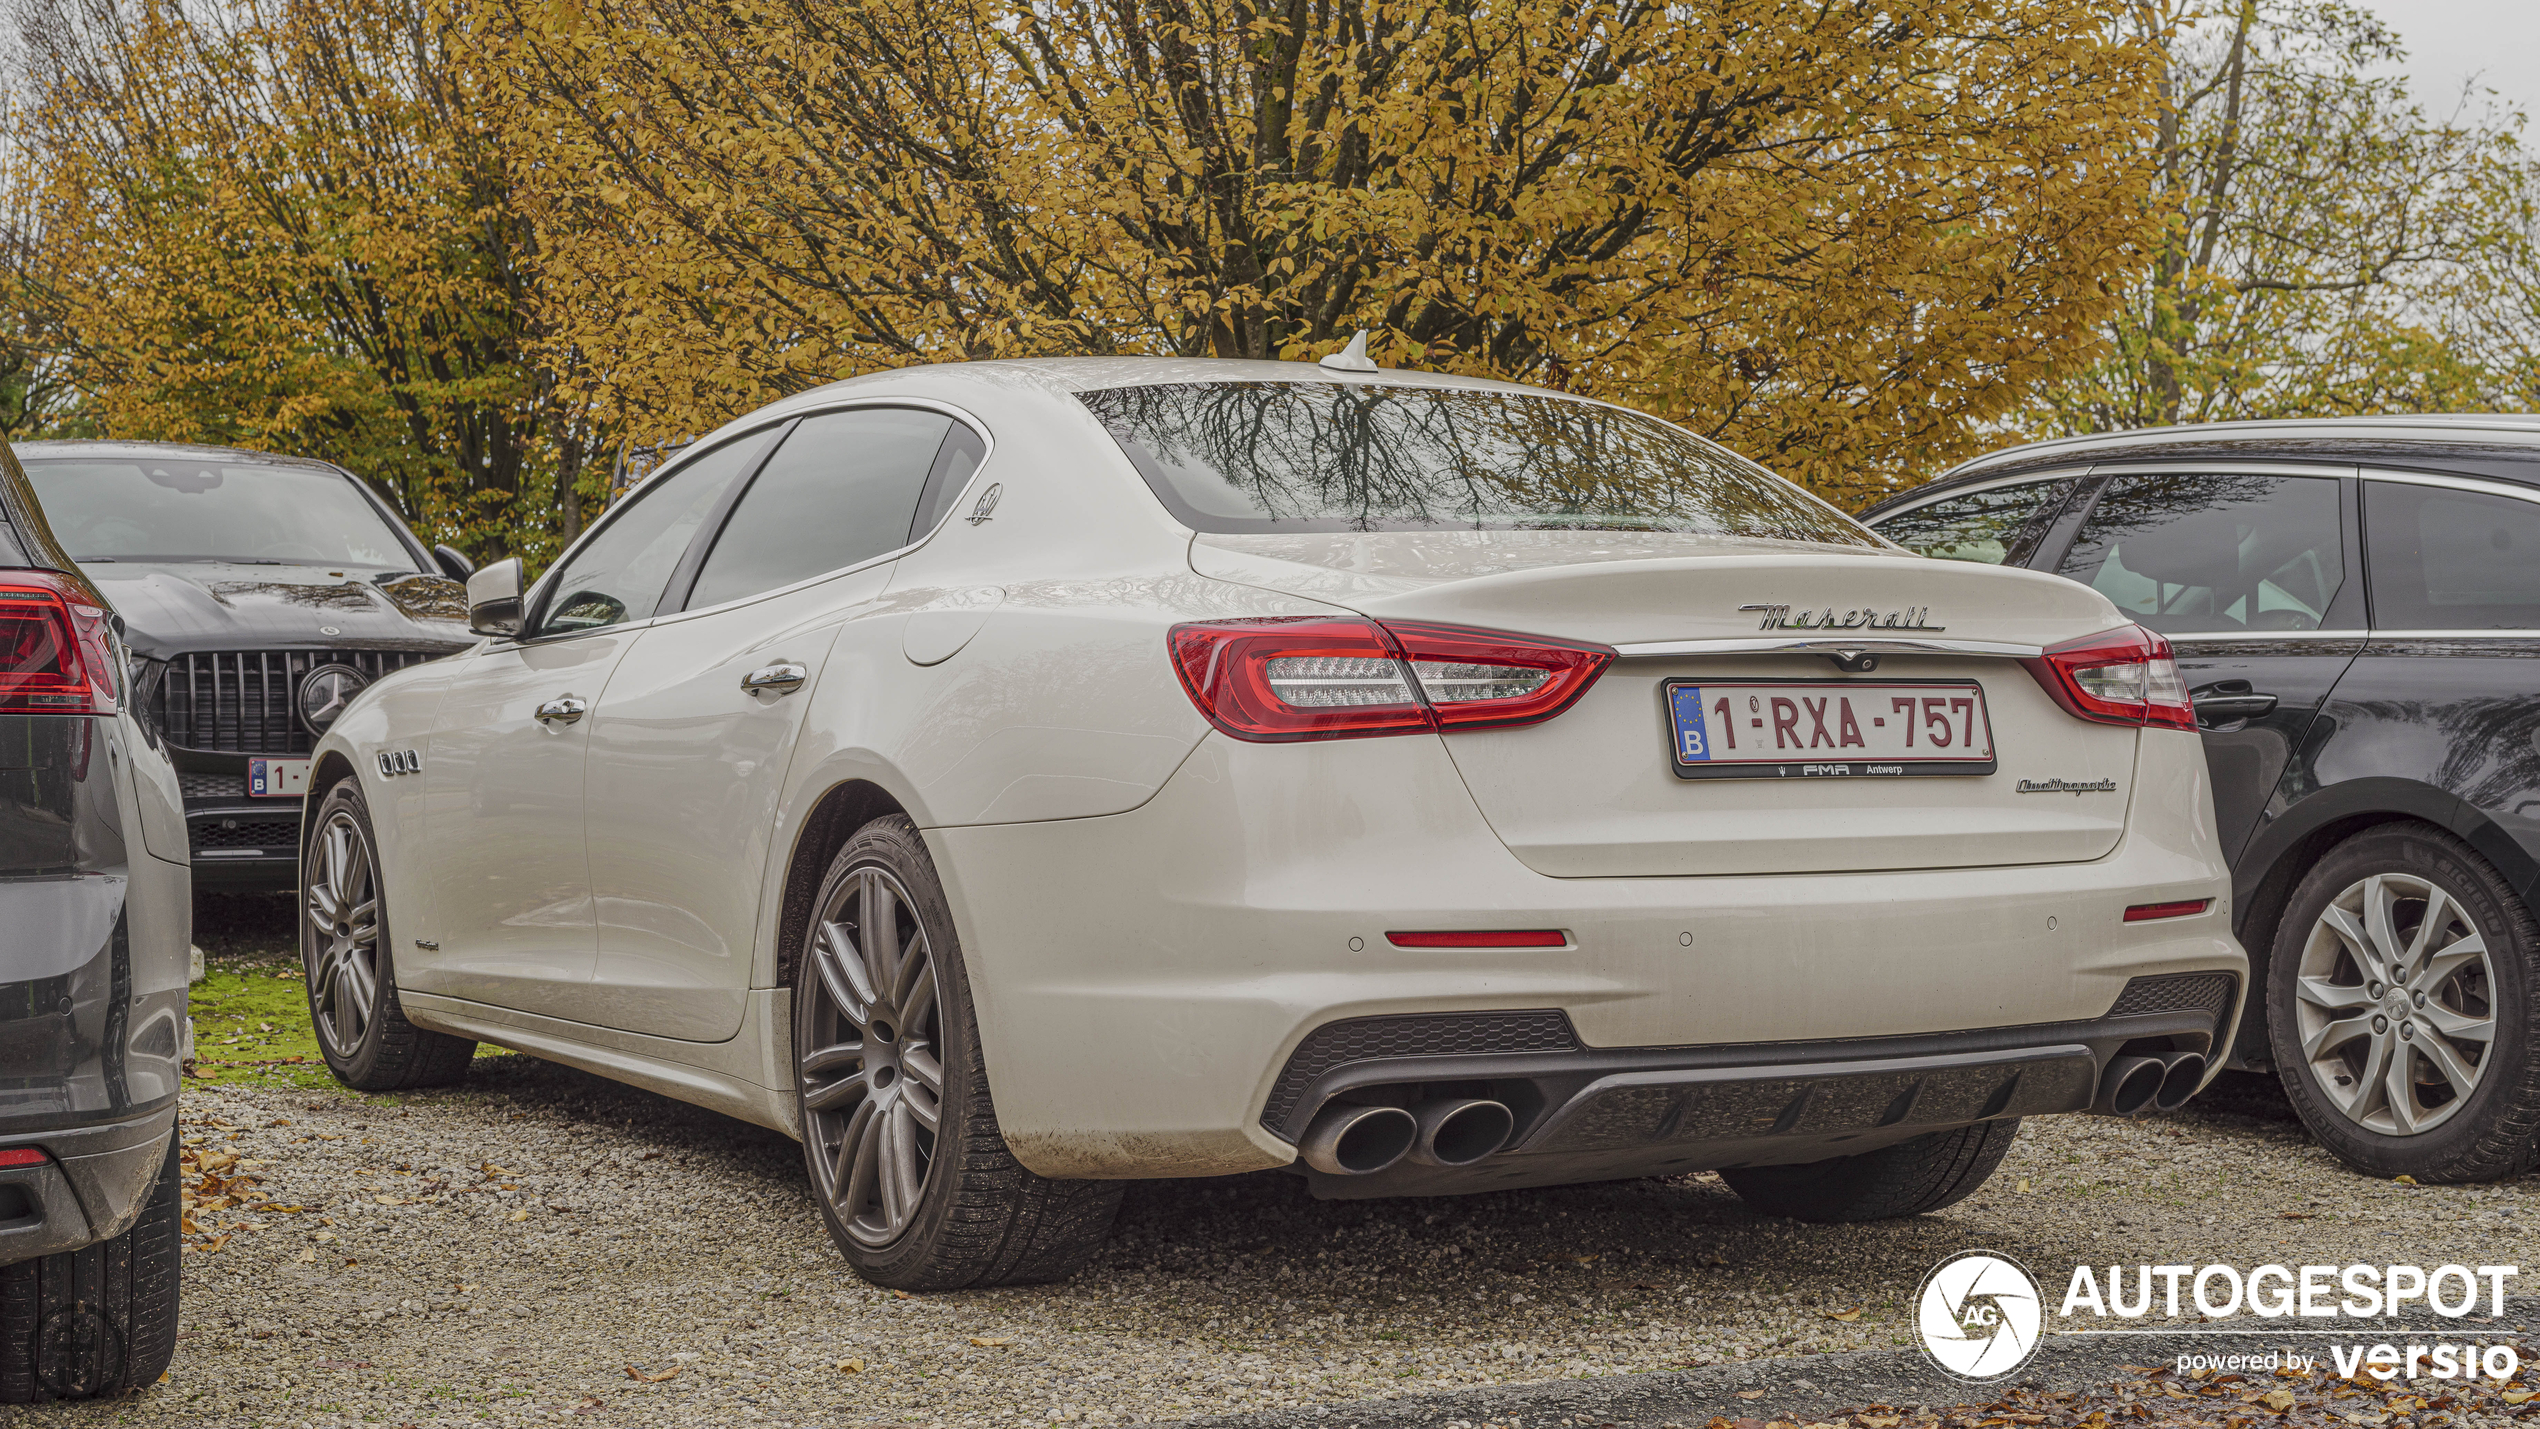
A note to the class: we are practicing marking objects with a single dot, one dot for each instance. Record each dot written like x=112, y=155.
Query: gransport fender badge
x=2068, y=786
x=1780, y=617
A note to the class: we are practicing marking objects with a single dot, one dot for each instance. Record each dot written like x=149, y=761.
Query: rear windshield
x=1326, y=456
x=189, y=509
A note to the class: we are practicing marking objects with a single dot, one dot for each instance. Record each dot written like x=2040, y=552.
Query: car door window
x=621, y=574
x=2199, y=552
x=1996, y=525
x=843, y=489
x=2443, y=559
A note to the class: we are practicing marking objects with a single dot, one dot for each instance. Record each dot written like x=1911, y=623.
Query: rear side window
x=2192, y=553
x=621, y=574
x=843, y=489
x=2451, y=560
x=1260, y=457
x=1996, y=526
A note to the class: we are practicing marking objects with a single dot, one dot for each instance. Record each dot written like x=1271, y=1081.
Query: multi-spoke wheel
x=2394, y=1002
x=914, y=1180
x=344, y=948
x=2400, y=1008
x=873, y=1087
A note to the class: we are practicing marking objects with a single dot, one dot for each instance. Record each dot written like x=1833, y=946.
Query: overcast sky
x=2451, y=40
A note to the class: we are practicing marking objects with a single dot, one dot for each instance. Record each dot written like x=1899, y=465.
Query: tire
x=886, y=1041
x=1907, y=1179
x=98, y=1320
x=2405, y=1047
x=352, y=975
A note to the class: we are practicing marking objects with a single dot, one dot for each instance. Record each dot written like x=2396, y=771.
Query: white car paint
x=1153, y=913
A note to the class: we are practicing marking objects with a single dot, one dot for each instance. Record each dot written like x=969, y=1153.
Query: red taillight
x=20, y=1156
x=55, y=656
x=1303, y=677
x=1496, y=938
x=2185, y=908
x=2123, y=676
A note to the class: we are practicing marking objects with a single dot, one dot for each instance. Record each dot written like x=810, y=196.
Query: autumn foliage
x=474, y=247
x=1833, y=235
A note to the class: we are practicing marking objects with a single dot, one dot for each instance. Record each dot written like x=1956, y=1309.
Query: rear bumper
x=1144, y=979
x=1611, y=1112
x=94, y=1183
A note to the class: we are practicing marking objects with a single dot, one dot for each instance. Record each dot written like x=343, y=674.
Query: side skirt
x=749, y=1077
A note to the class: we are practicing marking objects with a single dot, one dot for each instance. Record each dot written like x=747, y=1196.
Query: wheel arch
x=842, y=808
x=2286, y=847
x=333, y=766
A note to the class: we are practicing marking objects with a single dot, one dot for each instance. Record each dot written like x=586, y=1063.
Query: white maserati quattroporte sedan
x=1017, y=778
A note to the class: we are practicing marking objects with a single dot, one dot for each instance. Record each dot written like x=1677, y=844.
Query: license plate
x=1742, y=729
x=277, y=778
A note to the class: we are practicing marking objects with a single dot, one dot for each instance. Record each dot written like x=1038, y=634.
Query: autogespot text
x=2221, y=1293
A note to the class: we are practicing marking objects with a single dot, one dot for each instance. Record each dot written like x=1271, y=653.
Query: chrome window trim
x=2510, y=490
x=700, y=447
x=1824, y=645
x=2061, y=473
x=2237, y=637
x=2231, y=466
x=2515, y=632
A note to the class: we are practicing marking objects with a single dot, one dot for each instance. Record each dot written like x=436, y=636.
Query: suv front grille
x=274, y=836
x=240, y=701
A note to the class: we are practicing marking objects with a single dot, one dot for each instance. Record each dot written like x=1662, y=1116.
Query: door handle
x=782, y=678
x=564, y=709
x=2223, y=709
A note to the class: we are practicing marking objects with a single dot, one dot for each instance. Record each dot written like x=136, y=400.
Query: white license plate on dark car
x=277, y=778
x=1751, y=729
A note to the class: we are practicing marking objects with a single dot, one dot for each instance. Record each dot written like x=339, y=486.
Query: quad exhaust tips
x=1458, y=1131
x=1351, y=1140
x=2133, y=1086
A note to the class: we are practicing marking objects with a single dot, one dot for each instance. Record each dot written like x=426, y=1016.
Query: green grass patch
x=251, y=1024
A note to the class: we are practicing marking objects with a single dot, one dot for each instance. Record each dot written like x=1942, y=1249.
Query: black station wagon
x=2356, y=608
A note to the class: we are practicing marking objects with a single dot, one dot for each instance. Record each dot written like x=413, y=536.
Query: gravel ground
x=543, y=1245
x=655, y=1264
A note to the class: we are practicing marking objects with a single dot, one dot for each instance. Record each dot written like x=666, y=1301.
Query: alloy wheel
x=2394, y=1000
x=872, y=1069
x=342, y=948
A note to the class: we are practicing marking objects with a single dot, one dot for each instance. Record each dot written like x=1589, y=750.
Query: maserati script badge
x=1781, y=617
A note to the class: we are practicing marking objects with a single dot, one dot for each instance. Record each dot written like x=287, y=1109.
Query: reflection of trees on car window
x=2187, y=552
x=1248, y=456
x=1991, y=526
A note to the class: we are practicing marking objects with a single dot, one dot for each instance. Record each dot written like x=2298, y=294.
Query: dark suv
x=95, y=917
x=262, y=593
x=2356, y=608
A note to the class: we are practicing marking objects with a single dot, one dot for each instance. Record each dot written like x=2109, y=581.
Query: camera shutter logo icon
x=1979, y=1315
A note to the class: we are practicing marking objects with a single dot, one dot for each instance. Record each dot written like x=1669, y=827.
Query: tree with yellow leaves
x=1836, y=235
x=281, y=224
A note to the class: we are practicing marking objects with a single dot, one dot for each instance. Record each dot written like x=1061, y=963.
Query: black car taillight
x=55, y=656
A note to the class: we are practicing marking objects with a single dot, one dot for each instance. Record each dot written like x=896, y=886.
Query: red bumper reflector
x=21, y=1156
x=1526, y=938
x=2146, y=912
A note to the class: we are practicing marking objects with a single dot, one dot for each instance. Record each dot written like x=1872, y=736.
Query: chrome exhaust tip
x=2130, y=1086
x=2186, y=1072
x=1348, y=1140
x=1458, y=1131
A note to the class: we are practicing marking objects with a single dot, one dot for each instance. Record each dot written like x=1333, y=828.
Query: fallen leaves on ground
x=633, y=1373
x=989, y=1344
x=2157, y=1397
x=850, y=1366
x=1846, y=1316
